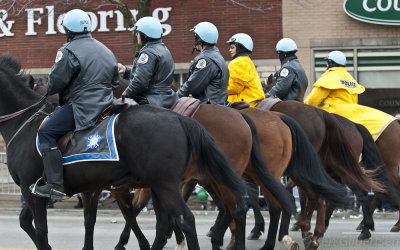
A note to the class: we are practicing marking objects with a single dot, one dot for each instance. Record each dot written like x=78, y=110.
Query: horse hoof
x=360, y=227
x=364, y=235
x=230, y=246
x=295, y=246
x=309, y=244
x=395, y=229
x=295, y=228
x=254, y=236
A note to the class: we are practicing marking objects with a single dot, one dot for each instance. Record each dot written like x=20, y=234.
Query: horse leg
x=124, y=200
x=259, y=226
x=38, y=208
x=368, y=221
x=303, y=203
x=285, y=221
x=329, y=208
x=26, y=218
x=90, y=203
x=305, y=224
x=319, y=229
x=25, y=222
x=396, y=227
x=169, y=209
x=275, y=213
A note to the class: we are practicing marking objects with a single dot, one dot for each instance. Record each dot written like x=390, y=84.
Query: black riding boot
x=53, y=169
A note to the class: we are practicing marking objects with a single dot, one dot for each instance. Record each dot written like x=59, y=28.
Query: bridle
x=15, y=114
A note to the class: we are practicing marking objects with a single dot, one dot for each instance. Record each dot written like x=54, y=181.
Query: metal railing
x=7, y=185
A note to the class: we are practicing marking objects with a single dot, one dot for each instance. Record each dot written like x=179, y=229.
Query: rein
x=15, y=114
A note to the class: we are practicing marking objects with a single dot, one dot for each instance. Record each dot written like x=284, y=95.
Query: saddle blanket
x=93, y=144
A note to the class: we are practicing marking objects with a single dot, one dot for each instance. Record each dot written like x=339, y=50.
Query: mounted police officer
x=208, y=73
x=291, y=80
x=152, y=74
x=244, y=82
x=85, y=74
x=336, y=91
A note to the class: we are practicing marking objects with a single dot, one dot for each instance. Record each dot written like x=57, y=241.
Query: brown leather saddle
x=268, y=103
x=188, y=106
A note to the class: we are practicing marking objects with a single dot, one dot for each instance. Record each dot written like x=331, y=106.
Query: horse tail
x=348, y=166
x=209, y=157
x=373, y=163
x=257, y=161
x=306, y=169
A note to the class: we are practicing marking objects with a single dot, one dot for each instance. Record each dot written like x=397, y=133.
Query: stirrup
x=33, y=186
x=56, y=195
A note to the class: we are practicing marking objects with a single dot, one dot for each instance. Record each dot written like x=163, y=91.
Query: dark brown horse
x=316, y=122
x=148, y=157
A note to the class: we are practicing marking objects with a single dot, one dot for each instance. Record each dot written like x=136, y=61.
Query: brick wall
x=304, y=21
x=265, y=28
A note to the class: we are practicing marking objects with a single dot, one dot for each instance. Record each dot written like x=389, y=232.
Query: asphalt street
x=66, y=231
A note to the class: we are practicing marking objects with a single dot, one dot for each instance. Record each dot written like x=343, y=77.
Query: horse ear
x=31, y=81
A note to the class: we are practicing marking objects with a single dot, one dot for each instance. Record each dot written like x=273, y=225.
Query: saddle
x=240, y=105
x=117, y=106
x=186, y=106
x=268, y=103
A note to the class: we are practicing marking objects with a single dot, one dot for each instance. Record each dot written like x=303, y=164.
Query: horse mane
x=11, y=67
x=10, y=62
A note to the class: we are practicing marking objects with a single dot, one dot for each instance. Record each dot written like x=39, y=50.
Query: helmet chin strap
x=197, y=41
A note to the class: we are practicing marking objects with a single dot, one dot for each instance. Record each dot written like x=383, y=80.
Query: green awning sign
x=374, y=11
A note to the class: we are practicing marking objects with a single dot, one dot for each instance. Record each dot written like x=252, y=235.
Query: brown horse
x=272, y=134
x=315, y=122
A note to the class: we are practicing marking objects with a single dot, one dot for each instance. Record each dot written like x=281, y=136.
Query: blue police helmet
x=338, y=57
x=149, y=26
x=77, y=21
x=286, y=45
x=242, y=39
x=207, y=32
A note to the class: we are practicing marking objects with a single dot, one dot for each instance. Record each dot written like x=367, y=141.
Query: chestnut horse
x=148, y=157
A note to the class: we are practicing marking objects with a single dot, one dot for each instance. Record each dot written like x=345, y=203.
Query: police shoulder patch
x=143, y=58
x=284, y=72
x=202, y=63
x=59, y=56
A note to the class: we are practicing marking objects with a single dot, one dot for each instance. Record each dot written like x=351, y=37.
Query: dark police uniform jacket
x=291, y=81
x=85, y=74
x=209, y=76
x=152, y=75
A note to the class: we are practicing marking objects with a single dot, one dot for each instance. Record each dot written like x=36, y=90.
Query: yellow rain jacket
x=337, y=92
x=244, y=82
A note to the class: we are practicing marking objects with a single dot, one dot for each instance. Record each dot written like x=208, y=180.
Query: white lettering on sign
x=31, y=20
x=5, y=27
x=99, y=19
x=388, y=6
x=379, y=5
